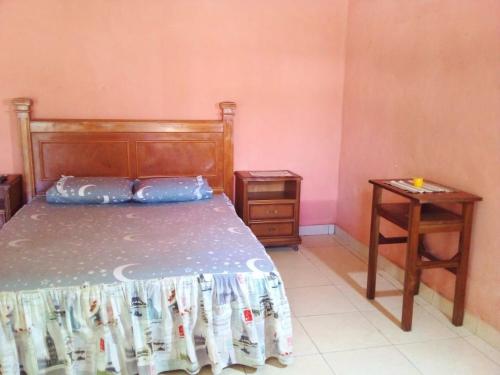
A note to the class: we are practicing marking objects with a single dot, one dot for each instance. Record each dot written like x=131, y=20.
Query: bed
x=134, y=288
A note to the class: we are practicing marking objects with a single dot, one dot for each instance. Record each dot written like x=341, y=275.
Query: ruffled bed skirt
x=146, y=327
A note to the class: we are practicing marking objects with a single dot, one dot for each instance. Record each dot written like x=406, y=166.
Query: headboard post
x=228, y=111
x=23, y=109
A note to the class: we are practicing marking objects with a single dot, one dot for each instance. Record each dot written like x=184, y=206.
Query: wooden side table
x=269, y=203
x=420, y=216
x=11, y=197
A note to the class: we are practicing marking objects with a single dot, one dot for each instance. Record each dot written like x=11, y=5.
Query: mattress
x=51, y=245
x=137, y=289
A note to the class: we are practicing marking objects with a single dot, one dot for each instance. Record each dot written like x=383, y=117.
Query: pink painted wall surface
x=422, y=98
x=420, y=95
x=282, y=62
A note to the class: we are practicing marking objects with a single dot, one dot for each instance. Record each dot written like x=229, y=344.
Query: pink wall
x=422, y=98
x=281, y=61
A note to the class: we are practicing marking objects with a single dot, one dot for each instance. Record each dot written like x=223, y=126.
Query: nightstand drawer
x=272, y=229
x=271, y=211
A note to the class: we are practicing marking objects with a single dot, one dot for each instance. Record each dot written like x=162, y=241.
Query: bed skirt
x=146, y=327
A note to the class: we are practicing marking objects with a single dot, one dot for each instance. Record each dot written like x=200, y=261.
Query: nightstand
x=269, y=203
x=11, y=197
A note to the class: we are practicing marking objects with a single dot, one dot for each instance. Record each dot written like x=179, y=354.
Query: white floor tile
x=305, y=274
x=319, y=241
x=359, y=279
x=335, y=277
x=342, y=332
x=421, y=301
x=391, y=279
x=311, y=364
x=357, y=298
x=207, y=370
x=302, y=343
x=318, y=300
x=324, y=278
x=451, y=356
x=389, y=300
x=286, y=257
x=335, y=256
x=232, y=370
x=374, y=361
x=461, y=331
x=485, y=348
x=336, y=263
x=424, y=327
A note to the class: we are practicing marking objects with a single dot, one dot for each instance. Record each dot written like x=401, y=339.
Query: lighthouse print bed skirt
x=137, y=289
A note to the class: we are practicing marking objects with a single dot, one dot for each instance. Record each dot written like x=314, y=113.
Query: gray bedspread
x=49, y=245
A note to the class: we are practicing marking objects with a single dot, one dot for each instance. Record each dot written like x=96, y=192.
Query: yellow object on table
x=418, y=181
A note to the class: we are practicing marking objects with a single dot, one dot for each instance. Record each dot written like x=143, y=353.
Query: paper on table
x=409, y=188
x=426, y=188
x=437, y=188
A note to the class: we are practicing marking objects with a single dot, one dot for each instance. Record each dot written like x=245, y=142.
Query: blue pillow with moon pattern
x=172, y=189
x=90, y=190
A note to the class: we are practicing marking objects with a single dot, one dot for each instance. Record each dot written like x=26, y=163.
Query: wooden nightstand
x=269, y=203
x=11, y=197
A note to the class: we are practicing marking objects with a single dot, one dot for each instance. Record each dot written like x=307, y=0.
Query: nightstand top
x=265, y=175
x=11, y=178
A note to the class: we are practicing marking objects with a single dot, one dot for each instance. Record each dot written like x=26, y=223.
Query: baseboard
x=471, y=322
x=311, y=230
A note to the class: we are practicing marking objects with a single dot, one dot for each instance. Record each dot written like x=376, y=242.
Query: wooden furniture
x=125, y=148
x=11, y=197
x=270, y=207
x=420, y=216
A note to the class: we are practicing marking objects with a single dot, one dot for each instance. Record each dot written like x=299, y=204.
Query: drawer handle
x=272, y=212
x=271, y=229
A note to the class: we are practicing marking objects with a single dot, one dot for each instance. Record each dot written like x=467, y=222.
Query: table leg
x=411, y=265
x=373, y=252
x=461, y=278
x=419, y=259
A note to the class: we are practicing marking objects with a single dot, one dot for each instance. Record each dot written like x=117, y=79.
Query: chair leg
x=418, y=276
x=411, y=265
x=419, y=258
x=461, y=278
x=373, y=252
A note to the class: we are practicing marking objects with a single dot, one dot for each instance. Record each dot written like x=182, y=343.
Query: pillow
x=174, y=189
x=90, y=190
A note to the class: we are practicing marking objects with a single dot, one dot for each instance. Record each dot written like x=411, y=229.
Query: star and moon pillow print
x=107, y=190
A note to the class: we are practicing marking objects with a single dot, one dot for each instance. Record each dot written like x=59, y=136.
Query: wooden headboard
x=125, y=148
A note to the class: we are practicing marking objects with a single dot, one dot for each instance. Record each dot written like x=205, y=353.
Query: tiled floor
x=337, y=331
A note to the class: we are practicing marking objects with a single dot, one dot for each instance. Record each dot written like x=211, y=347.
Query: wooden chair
x=420, y=216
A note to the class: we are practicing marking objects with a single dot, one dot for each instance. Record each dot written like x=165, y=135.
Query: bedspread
x=146, y=327
x=137, y=289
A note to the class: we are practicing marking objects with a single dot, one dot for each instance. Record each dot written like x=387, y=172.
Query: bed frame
x=125, y=148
